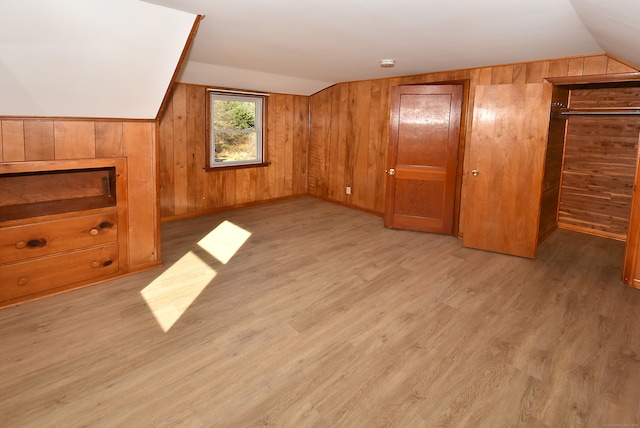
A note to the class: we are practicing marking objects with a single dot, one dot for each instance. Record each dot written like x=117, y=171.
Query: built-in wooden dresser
x=62, y=226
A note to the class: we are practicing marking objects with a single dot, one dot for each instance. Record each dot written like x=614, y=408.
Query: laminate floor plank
x=304, y=313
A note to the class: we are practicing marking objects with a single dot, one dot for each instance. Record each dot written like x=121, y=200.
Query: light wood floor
x=325, y=318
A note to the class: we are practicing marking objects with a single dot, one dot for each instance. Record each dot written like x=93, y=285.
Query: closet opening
x=591, y=160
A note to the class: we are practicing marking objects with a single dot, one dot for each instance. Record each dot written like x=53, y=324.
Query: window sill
x=230, y=167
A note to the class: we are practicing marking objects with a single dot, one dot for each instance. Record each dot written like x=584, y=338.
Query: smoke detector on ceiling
x=387, y=63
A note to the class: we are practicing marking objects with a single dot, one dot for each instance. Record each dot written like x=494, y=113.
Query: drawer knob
x=95, y=264
x=20, y=245
x=94, y=232
x=37, y=243
x=23, y=281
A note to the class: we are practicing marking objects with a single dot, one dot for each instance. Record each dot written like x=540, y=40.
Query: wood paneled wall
x=350, y=124
x=186, y=189
x=598, y=174
x=34, y=139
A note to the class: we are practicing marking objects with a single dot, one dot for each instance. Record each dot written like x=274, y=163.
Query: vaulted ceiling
x=115, y=58
x=304, y=46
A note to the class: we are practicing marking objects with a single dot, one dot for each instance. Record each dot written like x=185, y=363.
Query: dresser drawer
x=40, y=239
x=46, y=273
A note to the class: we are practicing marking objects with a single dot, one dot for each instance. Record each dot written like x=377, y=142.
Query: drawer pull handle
x=97, y=264
x=20, y=245
x=23, y=281
x=35, y=243
x=94, y=232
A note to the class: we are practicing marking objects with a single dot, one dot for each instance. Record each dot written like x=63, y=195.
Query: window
x=235, y=129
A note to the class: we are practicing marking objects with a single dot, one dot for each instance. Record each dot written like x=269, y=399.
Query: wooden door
x=506, y=167
x=422, y=158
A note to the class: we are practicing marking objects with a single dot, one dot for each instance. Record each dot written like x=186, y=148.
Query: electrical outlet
x=348, y=190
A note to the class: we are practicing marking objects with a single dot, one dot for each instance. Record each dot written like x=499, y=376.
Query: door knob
x=392, y=171
x=475, y=172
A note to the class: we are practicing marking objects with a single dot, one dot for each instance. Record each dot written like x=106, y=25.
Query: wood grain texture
x=63, y=139
x=109, y=139
x=599, y=172
x=509, y=139
x=75, y=139
x=39, y=142
x=186, y=189
x=554, y=158
x=424, y=155
x=605, y=97
x=142, y=210
x=334, y=125
x=13, y=141
x=422, y=333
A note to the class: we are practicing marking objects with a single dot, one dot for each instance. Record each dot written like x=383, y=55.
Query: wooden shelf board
x=42, y=209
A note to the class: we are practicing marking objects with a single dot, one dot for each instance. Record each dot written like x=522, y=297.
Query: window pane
x=235, y=146
x=234, y=115
x=235, y=130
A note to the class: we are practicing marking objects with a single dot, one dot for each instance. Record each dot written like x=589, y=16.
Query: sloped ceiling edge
x=98, y=59
x=615, y=26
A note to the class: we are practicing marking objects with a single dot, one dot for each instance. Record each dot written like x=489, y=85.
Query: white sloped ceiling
x=115, y=58
x=88, y=58
x=309, y=45
x=615, y=25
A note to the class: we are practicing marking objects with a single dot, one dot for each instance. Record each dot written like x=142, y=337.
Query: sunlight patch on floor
x=170, y=294
x=224, y=241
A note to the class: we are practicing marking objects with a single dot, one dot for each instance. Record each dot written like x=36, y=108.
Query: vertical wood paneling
x=75, y=139
x=196, y=191
x=519, y=73
x=13, y=140
x=382, y=125
x=598, y=174
x=485, y=76
x=1, y=144
x=143, y=227
x=39, y=141
x=373, y=169
x=320, y=112
x=337, y=145
x=614, y=66
x=230, y=187
x=166, y=163
x=246, y=192
x=180, y=171
x=337, y=120
x=288, y=133
x=301, y=154
x=195, y=156
x=109, y=139
x=558, y=68
x=536, y=71
x=361, y=145
x=502, y=75
x=351, y=115
x=576, y=66
x=269, y=175
x=281, y=148
x=595, y=65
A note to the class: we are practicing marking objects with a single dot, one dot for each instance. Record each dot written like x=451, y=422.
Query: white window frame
x=259, y=100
